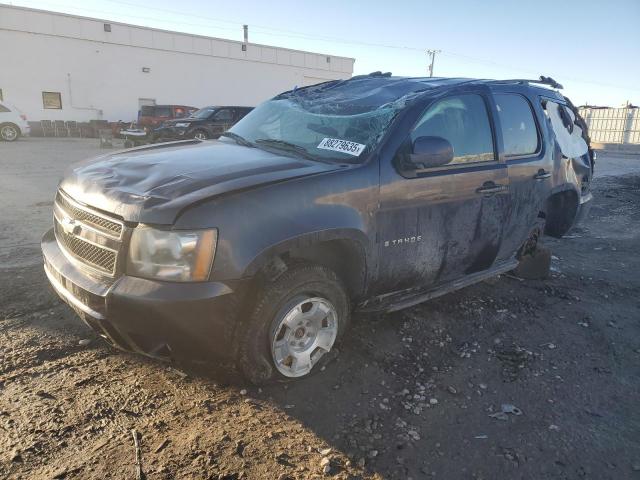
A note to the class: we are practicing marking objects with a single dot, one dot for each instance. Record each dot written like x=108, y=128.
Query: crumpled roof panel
x=363, y=93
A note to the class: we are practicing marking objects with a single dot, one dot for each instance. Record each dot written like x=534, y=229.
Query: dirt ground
x=415, y=394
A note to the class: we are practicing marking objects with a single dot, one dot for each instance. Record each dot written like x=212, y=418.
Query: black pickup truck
x=372, y=194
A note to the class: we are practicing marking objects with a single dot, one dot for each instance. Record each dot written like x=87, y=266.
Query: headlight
x=180, y=256
x=182, y=124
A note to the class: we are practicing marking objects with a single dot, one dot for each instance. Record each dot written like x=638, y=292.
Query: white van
x=13, y=123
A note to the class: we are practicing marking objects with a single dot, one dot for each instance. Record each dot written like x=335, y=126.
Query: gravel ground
x=504, y=379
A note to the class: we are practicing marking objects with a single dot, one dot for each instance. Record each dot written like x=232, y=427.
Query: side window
x=225, y=115
x=3, y=109
x=52, y=100
x=569, y=135
x=164, y=112
x=147, y=110
x=519, y=130
x=463, y=121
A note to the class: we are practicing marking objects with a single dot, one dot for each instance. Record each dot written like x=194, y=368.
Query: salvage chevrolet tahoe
x=371, y=194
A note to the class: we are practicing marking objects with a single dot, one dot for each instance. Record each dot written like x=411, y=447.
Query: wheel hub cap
x=9, y=133
x=303, y=335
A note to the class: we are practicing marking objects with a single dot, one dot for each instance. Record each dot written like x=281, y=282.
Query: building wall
x=100, y=74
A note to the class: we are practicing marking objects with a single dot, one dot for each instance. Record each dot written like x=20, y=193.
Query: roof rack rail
x=542, y=80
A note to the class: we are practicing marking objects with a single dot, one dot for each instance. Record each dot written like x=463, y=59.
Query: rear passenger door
x=221, y=121
x=529, y=163
x=443, y=223
x=240, y=114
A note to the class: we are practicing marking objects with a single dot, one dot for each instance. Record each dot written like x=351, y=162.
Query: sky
x=591, y=47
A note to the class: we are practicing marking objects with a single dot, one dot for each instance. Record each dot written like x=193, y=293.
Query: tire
x=561, y=209
x=264, y=337
x=200, y=135
x=9, y=132
x=534, y=261
x=535, y=265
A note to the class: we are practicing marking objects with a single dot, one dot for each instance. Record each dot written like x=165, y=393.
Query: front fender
x=253, y=225
x=355, y=237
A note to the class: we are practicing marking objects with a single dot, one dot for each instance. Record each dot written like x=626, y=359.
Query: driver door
x=442, y=223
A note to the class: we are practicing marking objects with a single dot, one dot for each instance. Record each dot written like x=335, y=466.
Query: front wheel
x=9, y=132
x=296, y=321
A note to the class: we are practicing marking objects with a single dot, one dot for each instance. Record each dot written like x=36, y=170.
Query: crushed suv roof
x=368, y=92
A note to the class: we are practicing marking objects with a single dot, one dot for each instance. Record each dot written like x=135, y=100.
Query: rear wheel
x=561, y=210
x=200, y=135
x=534, y=261
x=296, y=321
x=9, y=132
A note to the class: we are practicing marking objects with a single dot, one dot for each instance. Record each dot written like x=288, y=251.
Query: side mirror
x=430, y=152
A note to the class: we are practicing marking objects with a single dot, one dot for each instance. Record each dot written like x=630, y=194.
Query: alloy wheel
x=303, y=335
x=9, y=133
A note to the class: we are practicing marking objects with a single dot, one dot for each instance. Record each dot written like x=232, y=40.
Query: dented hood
x=154, y=184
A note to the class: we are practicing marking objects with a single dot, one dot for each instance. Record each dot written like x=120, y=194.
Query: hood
x=154, y=184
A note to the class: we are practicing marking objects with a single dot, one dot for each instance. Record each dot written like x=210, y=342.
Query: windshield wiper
x=238, y=139
x=289, y=147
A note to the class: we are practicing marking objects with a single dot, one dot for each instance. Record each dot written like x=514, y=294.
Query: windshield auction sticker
x=343, y=146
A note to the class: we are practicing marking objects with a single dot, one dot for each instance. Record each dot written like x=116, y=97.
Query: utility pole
x=432, y=54
x=245, y=29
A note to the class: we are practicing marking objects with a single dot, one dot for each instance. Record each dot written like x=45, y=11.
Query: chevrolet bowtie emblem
x=70, y=226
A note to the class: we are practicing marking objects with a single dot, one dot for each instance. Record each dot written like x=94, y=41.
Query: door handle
x=542, y=174
x=490, y=188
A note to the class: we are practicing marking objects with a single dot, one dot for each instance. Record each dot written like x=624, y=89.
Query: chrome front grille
x=103, y=224
x=95, y=256
x=87, y=236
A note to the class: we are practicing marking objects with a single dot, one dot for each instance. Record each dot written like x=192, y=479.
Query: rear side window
x=4, y=109
x=223, y=115
x=162, y=112
x=180, y=112
x=519, y=130
x=241, y=112
x=147, y=110
x=463, y=121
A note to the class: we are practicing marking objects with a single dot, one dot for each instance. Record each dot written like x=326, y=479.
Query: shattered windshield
x=338, y=133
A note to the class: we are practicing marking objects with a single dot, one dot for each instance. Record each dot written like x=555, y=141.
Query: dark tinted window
x=162, y=112
x=147, y=110
x=519, y=131
x=223, y=115
x=241, y=112
x=464, y=122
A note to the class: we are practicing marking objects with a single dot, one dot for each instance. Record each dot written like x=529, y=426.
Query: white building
x=55, y=66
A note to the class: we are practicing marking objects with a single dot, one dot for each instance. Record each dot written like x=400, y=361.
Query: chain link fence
x=613, y=125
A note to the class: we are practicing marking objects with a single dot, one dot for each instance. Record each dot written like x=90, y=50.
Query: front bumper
x=164, y=320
